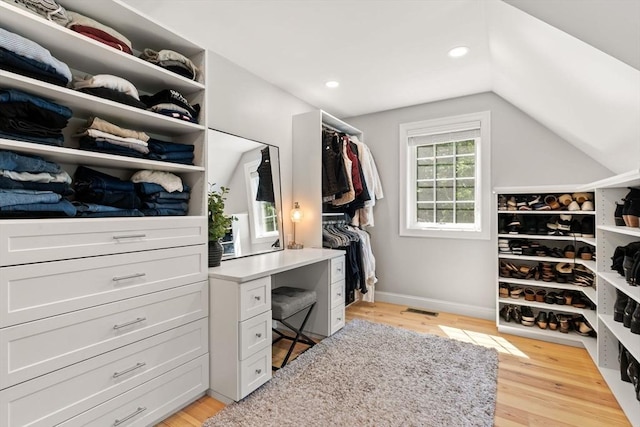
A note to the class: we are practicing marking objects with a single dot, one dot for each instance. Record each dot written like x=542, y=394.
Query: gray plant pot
x=215, y=253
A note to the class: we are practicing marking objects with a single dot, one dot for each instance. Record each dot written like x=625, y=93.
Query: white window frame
x=409, y=227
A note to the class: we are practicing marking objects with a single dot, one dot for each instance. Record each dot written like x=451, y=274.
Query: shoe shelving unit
x=610, y=333
x=552, y=241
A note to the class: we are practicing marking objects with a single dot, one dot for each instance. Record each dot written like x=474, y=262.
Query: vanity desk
x=240, y=312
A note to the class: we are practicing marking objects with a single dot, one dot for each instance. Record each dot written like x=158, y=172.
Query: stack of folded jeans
x=170, y=152
x=25, y=57
x=30, y=118
x=172, y=61
x=171, y=103
x=33, y=187
x=162, y=193
x=97, y=193
x=104, y=137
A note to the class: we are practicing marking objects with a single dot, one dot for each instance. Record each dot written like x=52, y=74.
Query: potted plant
x=219, y=223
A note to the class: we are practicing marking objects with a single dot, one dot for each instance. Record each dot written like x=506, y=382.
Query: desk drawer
x=255, y=297
x=151, y=402
x=337, y=269
x=337, y=294
x=33, y=291
x=255, y=371
x=337, y=319
x=255, y=334
x=27, y=241
x=36, y=348
x=60, y=395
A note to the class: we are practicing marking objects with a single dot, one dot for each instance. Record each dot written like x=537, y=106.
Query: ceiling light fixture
x=332, y=84
x=459, y=51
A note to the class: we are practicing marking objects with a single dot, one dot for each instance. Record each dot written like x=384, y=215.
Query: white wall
x=242, y=103
x=457, y=275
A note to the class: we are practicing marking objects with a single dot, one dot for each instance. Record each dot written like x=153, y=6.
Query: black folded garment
x=57, y=187
x=102, y=146
x=26, y=127
x=162, y=147
x=33, y=113
x=170, y=96
x=114, y=95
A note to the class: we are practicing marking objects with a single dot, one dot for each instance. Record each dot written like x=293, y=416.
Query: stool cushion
x=287, y=301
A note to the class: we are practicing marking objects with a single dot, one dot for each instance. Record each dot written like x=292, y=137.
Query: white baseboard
x=437, y=305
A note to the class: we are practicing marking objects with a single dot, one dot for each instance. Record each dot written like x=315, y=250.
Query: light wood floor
x=539, y=383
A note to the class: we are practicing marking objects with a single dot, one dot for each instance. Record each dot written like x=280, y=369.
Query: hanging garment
x=334, y=178
x=265, y=179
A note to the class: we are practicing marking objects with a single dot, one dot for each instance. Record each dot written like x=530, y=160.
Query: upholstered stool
x=286, y=302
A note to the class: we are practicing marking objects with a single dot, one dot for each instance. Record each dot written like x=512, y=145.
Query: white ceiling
x=393, y=53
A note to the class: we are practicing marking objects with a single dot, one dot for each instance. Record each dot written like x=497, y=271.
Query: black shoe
x=516, y=314
x=528, y=319
x=618, y=215
x=505, y=313
x=621, y=302
x=588, y=227
x=552, y=321
x=623, y=359
x=542, y=320
x=628, y=313
x=635, y=320
x=576, y=228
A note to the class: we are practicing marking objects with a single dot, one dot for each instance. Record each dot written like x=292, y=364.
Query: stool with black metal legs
x=286, y=302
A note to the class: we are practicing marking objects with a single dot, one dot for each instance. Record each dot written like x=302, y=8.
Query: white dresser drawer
x=60, y=395
x=337, y=294
x=28, y=241
x=337, y=319
x=152, y=401
x=35, y=291
x=255, y=297
x=255, y=371
x=255, y=334
x=337, y=269
x=36, y=348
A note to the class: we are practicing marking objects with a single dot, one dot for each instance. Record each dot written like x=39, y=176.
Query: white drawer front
x=255, y=371
x=28, y=241
x=337, y=269
x=255, y=297
x=34, y=291
x=60, y=395
x=337, y=319
x=36, y=348
x=255, y=334
x=337, y=294
x=152, y=401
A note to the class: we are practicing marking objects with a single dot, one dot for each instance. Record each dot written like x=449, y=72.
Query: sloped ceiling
x=392, y=53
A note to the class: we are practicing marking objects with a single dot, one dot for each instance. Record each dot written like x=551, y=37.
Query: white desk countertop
x=254, y=267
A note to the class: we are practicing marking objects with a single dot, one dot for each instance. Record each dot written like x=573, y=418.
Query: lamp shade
x=296, y=213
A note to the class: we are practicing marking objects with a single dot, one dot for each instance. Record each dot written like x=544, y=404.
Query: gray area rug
x=369, y=374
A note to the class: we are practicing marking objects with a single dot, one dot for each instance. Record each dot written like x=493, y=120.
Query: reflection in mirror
x=251, y=171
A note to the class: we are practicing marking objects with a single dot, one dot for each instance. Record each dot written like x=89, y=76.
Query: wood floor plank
x=539, y=383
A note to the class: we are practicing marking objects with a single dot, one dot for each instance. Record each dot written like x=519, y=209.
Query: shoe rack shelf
x=537, y=213
x=628, y=231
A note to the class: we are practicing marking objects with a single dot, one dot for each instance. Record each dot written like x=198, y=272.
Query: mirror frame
x=239, y=168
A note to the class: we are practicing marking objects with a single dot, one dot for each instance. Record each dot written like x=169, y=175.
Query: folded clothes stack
x=170, y=152
x=30, y=118
x=171, y=103
x=172, y=61
x=104, y=137
x=33, y=187
x=110, y=87
x=98, y=31
x=99, y=194
x=48, y=9
x=162, y=193
x=22, y=56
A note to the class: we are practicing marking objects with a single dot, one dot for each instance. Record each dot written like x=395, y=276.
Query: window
x=263, y=217
x=445, y=177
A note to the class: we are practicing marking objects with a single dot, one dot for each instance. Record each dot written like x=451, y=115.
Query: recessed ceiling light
x=332, y=84
x=459, y=51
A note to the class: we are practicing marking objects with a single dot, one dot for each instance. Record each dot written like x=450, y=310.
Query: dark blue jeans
x=15, y=95
x=93, y=186
x=22, y=163
x=62, y=207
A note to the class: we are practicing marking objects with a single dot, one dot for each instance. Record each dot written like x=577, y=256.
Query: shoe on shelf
x=628, y=313
x=564, y=223
x=515, y=292
x=565, y=199
x=505, y=313
x=542, y=320
x=573, y=206
x=623, y=360
x=582, y=197
x=540, y=295
x=533, y=200
x=502, y=203
x=635, y=320
x=618, y=308
x=528, y=319
x=634, y=213
x=516, y=314
x=552, y=321
x=585, y=253
x=550, y=298
x=564, y=323
x=552, y=202
x=582, y=327
x=568, y=297
x=575, y=229
x=618, y=215
x=504, y=290
x=529, y=294
x=569, y=251
x=587, y=206
x=588, y=227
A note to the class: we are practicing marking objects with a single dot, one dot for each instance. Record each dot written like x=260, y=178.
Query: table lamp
x=296, y=216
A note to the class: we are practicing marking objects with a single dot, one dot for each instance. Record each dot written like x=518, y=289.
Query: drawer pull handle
x=133, y=322
x=339, y=294
x=339, y=319
x=131, y=276
x=257, y=297
x=130, y=236
x=259, y=334
x=140, y=410
x=258, y=371
x=126, y=371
